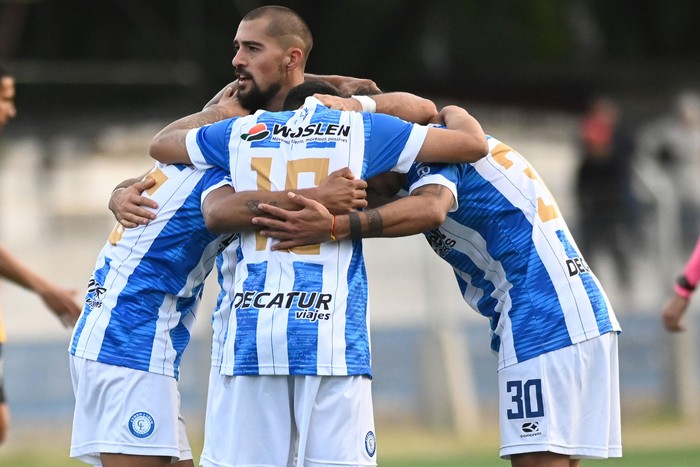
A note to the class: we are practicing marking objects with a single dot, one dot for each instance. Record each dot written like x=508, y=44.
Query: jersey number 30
x=526, y=398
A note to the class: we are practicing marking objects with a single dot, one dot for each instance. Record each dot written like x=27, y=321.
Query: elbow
x=155, y=150
x=475, y=147
x=430, y=111
x=435, y=215
x=166, y=147
x=214, y=221
x=482, y=147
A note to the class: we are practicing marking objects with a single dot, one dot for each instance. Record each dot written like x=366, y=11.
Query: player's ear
x=294, y=58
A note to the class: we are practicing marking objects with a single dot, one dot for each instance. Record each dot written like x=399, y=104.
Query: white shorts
x=124, y=411
x=566, y=401
x=272, y=420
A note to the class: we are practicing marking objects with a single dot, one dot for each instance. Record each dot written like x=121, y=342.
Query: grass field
x=651, y=443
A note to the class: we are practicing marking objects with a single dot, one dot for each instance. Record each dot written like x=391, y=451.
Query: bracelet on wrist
x=333, y=239
x=355, y=226
x=681, y=292
x=684, y=284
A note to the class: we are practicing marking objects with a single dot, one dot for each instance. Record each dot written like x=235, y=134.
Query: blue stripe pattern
x=357, y=352
x=302, y=334
x=245, y=344
x=600, y=308
x=130, y=334
x=537, y=318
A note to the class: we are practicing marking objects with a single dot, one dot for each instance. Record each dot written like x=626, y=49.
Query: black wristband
x=683, y=283
x=355, y=226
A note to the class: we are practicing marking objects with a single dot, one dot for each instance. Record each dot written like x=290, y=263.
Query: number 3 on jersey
x=545, y=211
x=316, y=166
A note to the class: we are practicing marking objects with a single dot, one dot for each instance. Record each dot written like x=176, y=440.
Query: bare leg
x=126, y=460
x=4, y=421
x=543, y=459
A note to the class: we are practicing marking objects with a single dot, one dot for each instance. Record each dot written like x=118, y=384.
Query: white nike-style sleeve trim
x=194, y=152
x=411, y=149
x=437, y=179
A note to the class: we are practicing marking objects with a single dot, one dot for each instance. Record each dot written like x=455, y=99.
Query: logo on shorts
x=141, y=424
x=370, y=443
x=530, y=429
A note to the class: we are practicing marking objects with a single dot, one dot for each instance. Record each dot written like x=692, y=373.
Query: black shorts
x=2, y=379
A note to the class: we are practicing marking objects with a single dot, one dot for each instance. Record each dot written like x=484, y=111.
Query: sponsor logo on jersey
x=530, y=429
x=422, y=169
x=226, y=241
x=256, y=133
x=577, y=266
x=441, y=243
x=313, y=306
x=95, y=293
x=311, y=130
x=141, y=424
x=370, y=443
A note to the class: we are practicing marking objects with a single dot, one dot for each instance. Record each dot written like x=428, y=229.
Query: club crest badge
x=370, y=443
x=141, y=424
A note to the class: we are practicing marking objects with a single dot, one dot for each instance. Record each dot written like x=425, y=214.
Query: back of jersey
x=305, y=311
x=515, y=259
x=142, y=297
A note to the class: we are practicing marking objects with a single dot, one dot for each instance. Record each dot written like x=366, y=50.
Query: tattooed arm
x=227, y=211
x=424, y=210
x=168, y=146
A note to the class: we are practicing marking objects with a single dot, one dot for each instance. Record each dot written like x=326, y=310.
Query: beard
x=257, y=98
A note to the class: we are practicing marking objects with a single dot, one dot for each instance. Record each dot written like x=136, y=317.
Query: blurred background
x=601, y=96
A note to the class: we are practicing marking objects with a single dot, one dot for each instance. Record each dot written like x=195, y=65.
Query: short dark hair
x=286, y=25
x=298, y=94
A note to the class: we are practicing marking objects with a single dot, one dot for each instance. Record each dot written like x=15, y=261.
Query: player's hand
x=230, y=104
x=62, y=303
x=339, y=103
x=347, y=85
x=673, y=312
x=341, y=192
x=129, y=207
x=217, y=97
x=309, y=226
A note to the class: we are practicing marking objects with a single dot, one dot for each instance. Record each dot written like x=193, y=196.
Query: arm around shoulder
x=462, y=141
x=169, y=144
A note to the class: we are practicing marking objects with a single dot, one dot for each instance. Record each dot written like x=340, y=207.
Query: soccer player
x=296, y=365
x=139, y=309
x=516, y=263
x=685, y=285
x=60, y=301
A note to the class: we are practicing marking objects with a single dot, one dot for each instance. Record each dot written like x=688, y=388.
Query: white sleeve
x=437, y=179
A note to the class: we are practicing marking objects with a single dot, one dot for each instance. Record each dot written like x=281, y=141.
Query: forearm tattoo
x=205, y=117
x=252, y=206
x=375, y=224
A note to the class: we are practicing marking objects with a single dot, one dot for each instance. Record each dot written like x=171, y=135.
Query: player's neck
x=276, y=104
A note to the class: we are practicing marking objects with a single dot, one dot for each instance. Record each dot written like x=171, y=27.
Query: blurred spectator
x=672, y=144
x=607, y=205
x=686, y=283
x=60, y=301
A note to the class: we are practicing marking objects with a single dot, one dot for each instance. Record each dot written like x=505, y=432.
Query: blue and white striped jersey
x=304, y=311
x=143, y=295
x=226, y=270
x=514, y=258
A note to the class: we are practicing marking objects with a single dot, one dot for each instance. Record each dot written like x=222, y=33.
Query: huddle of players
x=290, y=381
